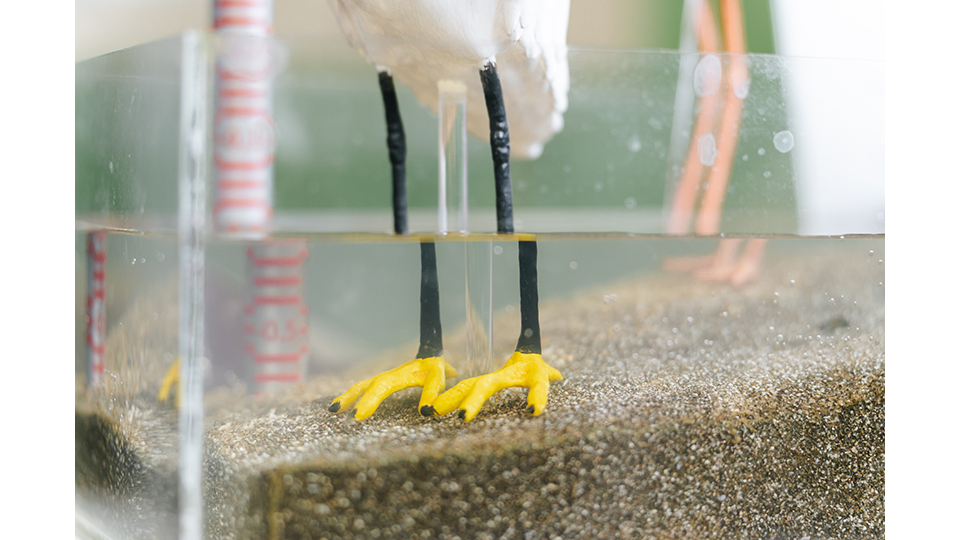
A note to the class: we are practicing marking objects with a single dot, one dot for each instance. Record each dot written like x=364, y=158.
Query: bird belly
x=438, y=32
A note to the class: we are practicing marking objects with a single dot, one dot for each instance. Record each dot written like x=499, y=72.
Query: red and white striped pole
x=275, y=322
x=244, y=135
x=96, y=306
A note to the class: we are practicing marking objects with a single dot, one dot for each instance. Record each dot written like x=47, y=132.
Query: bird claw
x=169, y=384
x=525, y=370
x=428, y=373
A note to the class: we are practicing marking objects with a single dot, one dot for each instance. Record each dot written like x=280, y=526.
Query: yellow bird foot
x=526, y=370
x=429, y=373
x=170, y=383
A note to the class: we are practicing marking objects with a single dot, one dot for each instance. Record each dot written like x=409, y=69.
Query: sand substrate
x=688, y=410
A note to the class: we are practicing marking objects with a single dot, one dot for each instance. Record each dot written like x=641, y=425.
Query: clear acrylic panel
x=670, y=363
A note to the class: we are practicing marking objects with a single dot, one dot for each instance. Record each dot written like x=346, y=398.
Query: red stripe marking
x=99, y=256
x=245, y=77
x=242, y=111
x=239, y=203
x=241, y=93
x=249, y=329
x=253, y=22
x=239, y=3
x=284, y=358
x=99, y=275
x=304, y=310
x=240, y=184
x=270, y=300
x=242, y=165
x=290, y=281
x=276, y=377
x=99, y=367
x=278, y=261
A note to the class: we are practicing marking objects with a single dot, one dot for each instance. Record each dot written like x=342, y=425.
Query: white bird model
x=421, y=42
x=512, y=56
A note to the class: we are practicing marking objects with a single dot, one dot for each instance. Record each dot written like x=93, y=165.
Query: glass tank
x=723, y=365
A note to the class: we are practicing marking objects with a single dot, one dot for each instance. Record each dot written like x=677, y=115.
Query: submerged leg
x=428, y=370
x=525, y=368
x=396, y=143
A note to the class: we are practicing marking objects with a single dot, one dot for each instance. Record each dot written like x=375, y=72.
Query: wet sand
x=687, y=410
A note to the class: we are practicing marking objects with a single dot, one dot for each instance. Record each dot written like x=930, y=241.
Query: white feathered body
x=420, y=42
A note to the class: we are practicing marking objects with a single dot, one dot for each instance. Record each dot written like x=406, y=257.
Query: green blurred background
x=331, y=154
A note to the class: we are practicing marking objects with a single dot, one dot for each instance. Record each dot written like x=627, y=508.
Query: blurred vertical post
x=453, y=217
x=452, y=151
x=193, y=157
x=96, y=305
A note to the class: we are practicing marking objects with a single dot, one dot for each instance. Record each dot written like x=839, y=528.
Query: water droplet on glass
x=706, y=76
x=707, y=149
x=160, y=257
x=634, y=144
x=573, y=265
x=870, y=253
x=630, y=203
x=742, y=89
x=111, y=166
x=766, y=174
x=497, y=250
x=745, y=157
x=783, y=141
x=761, y=151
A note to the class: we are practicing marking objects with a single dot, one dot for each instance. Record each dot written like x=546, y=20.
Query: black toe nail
x=335, y=407
x=462, y=414
x=531, y=409
x=427, y=410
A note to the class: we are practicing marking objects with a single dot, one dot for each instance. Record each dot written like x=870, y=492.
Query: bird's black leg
x=499, y=145
x=431, y=336
x=396, y=143
x=525, y=368
x=428, y=370
x=529, y=342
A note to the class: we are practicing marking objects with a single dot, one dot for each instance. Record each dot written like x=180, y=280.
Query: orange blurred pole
x=685, y=195
x=708, y=221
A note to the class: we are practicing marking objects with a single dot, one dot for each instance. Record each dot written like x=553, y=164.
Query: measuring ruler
x=96, y=305
x=275, y=323
x=244, y=141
